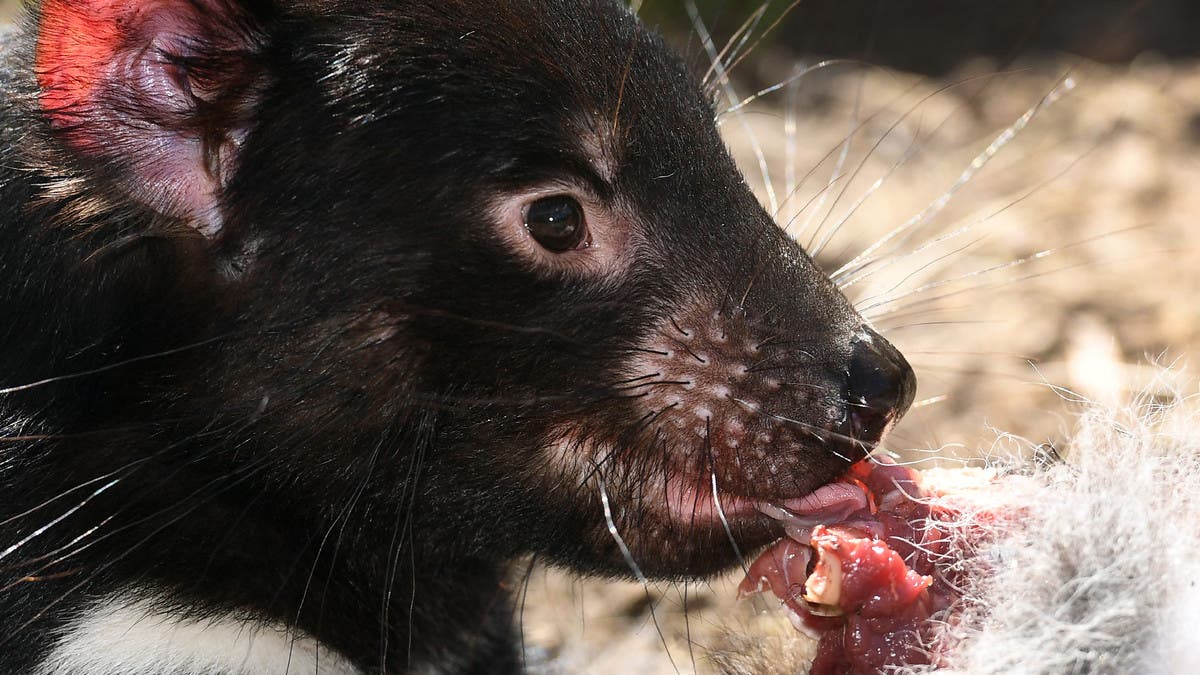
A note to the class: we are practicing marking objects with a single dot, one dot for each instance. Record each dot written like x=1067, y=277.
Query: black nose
x=880, y=386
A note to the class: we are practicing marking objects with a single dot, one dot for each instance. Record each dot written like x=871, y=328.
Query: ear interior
x=161, y=92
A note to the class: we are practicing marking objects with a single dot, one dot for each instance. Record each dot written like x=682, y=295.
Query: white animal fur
x=1103, y=575
x=138, y=633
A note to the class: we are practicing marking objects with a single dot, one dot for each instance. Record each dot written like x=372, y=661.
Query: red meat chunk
x=863, y=568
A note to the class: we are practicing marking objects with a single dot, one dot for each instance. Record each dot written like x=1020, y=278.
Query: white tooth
x=824, y=585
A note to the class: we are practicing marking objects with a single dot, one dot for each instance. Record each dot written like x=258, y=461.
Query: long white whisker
x=796, y=76
x=908, y=277
x=892, y=257
x=633, y=566
x=862, y=124
x=837, y=167
x=109, y=367
x=970, y=289
x=67, y=514
x=981, y=160
x=815, y=249
x=731, y=94
x=612, y=530
x=725, y=522
x=740, y=36
x=790, y=133
x=862, y=199
x=770, y=29
x=1045, y=253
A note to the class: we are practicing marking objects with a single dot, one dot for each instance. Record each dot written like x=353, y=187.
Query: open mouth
x=684, y=517
x=691, y=502
x=865, y=566
x=710, y=486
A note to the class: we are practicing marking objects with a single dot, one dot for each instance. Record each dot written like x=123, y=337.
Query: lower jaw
x=683, y=552
x=695, y=504
x=706, y=513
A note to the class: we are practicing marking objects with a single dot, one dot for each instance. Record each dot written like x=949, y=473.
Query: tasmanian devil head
x=483, y=266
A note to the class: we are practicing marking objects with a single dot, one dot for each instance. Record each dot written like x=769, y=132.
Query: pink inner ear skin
x=87, y=45
x=91, y=53
x=77, y=43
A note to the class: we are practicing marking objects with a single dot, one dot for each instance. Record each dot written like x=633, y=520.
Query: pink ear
x=159, y=90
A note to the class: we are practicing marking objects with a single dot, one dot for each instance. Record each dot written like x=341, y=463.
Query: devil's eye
x=557, y=224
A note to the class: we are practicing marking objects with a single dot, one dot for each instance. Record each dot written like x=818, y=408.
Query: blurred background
x=1008, y=190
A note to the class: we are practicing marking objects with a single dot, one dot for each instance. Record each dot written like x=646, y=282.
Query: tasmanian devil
x=319, y=313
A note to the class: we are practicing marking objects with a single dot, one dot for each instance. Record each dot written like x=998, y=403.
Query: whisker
x=866, y=195
x=917, y=271
x=867, y=310
x=892, y=258
x=525, y=579
x=737, y=551
x=837, y=170
x=795, y=77
x=637, y=379
x=741, y=35
x=656, y=383
x=816, y=249
x=125, y=469
x=69, y=512
x=343, y=519
x=819, y=432
x=775, y=367
x=628, y=555
x=111, y=366
x=616, y=536
x=690, y=353
x=770, y=29
x=932, y=400
x=836, y=175
x=1024, y=358
x=687, y=627
x=921, y=324
x=1065, y=85
x=101, y=568
x=731, y=94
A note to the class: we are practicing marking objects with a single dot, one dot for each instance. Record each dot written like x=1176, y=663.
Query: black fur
x=336, y=411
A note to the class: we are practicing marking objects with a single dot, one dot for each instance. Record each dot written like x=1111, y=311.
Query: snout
x=880, y=387
x=767, y=418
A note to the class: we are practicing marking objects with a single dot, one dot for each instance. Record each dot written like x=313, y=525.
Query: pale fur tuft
x=1102, y=575
x=140, y=633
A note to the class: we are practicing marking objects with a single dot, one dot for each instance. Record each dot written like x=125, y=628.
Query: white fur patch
x=136, y=635
x=1174, y=650
x=1100, y=576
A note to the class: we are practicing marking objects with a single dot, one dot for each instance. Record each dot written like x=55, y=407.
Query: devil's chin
x=675, y=530
x=667, y=552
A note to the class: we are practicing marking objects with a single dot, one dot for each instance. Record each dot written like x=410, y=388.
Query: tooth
x=824, y=585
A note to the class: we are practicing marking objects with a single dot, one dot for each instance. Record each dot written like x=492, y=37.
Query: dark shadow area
x=934, y=36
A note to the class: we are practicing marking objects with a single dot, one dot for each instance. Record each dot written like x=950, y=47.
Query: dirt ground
x=1065, y=264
